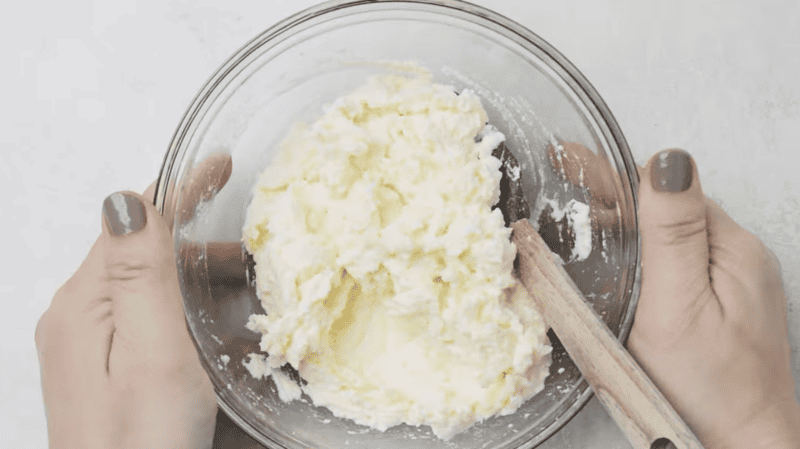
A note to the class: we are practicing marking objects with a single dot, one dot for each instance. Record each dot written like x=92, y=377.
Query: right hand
x=710, y=328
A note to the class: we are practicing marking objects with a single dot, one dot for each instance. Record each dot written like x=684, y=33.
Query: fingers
x=721, y=226
x=142, y=282
x=205, y=180
x=741, y=259
x=77, y=326
x=675, y=253
x=208, y=178
x=226, y=260
x=731, y=244
x=582, y=167
x=603, y=218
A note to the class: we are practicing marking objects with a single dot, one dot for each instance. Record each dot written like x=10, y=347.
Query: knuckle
x=753, y=250
x=51, y=334
x=41, y=331
x=122, y=271
x=680, y=231
x=774, y=262
x=67, y=290
x=760, y=267
x=52, y=320
x=766, y=259
x=750, y=244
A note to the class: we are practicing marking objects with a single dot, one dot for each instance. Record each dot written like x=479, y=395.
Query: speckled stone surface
x=94, y=90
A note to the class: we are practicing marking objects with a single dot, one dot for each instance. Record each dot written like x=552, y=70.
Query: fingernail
x=662, y=443
x=672, y=171
x=124, y=213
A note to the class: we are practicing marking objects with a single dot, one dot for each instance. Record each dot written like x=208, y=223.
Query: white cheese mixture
x=579, y=220
x=385, y=275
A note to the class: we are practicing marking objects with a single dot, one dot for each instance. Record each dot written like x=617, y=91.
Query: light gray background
x=92, y=92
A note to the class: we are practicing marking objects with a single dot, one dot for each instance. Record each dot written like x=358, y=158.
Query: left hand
x=118, y=366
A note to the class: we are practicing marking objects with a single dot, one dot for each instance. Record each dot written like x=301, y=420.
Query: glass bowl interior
x=285, y=75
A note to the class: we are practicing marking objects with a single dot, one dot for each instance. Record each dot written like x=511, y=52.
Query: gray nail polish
x=672, y=171
x=124, y=213
x=662, y=443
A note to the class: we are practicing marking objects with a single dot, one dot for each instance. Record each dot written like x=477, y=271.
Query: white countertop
x=94, y=90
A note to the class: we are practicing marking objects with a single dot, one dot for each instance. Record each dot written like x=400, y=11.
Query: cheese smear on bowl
x=385, y=274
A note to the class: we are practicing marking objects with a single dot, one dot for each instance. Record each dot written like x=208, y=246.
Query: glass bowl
x=286, y=74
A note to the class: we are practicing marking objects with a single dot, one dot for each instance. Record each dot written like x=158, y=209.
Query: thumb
x=672, y=219
x=142, y=279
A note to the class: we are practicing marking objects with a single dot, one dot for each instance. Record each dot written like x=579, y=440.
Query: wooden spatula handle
x=630, y=397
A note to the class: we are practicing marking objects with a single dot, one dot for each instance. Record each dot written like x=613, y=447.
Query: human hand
x=710, y=328
x=118, y=366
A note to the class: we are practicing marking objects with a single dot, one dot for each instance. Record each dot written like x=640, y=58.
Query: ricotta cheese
x=385, y=274
x=579, y=220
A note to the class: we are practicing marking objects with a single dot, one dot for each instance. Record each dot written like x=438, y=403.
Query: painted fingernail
x=124, y=213
x=672, y=171
x=662, y=443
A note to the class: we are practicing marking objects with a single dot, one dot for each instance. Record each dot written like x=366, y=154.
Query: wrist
x=776, y=427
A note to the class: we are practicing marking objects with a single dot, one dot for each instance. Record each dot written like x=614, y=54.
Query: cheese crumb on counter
x=384, y=272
